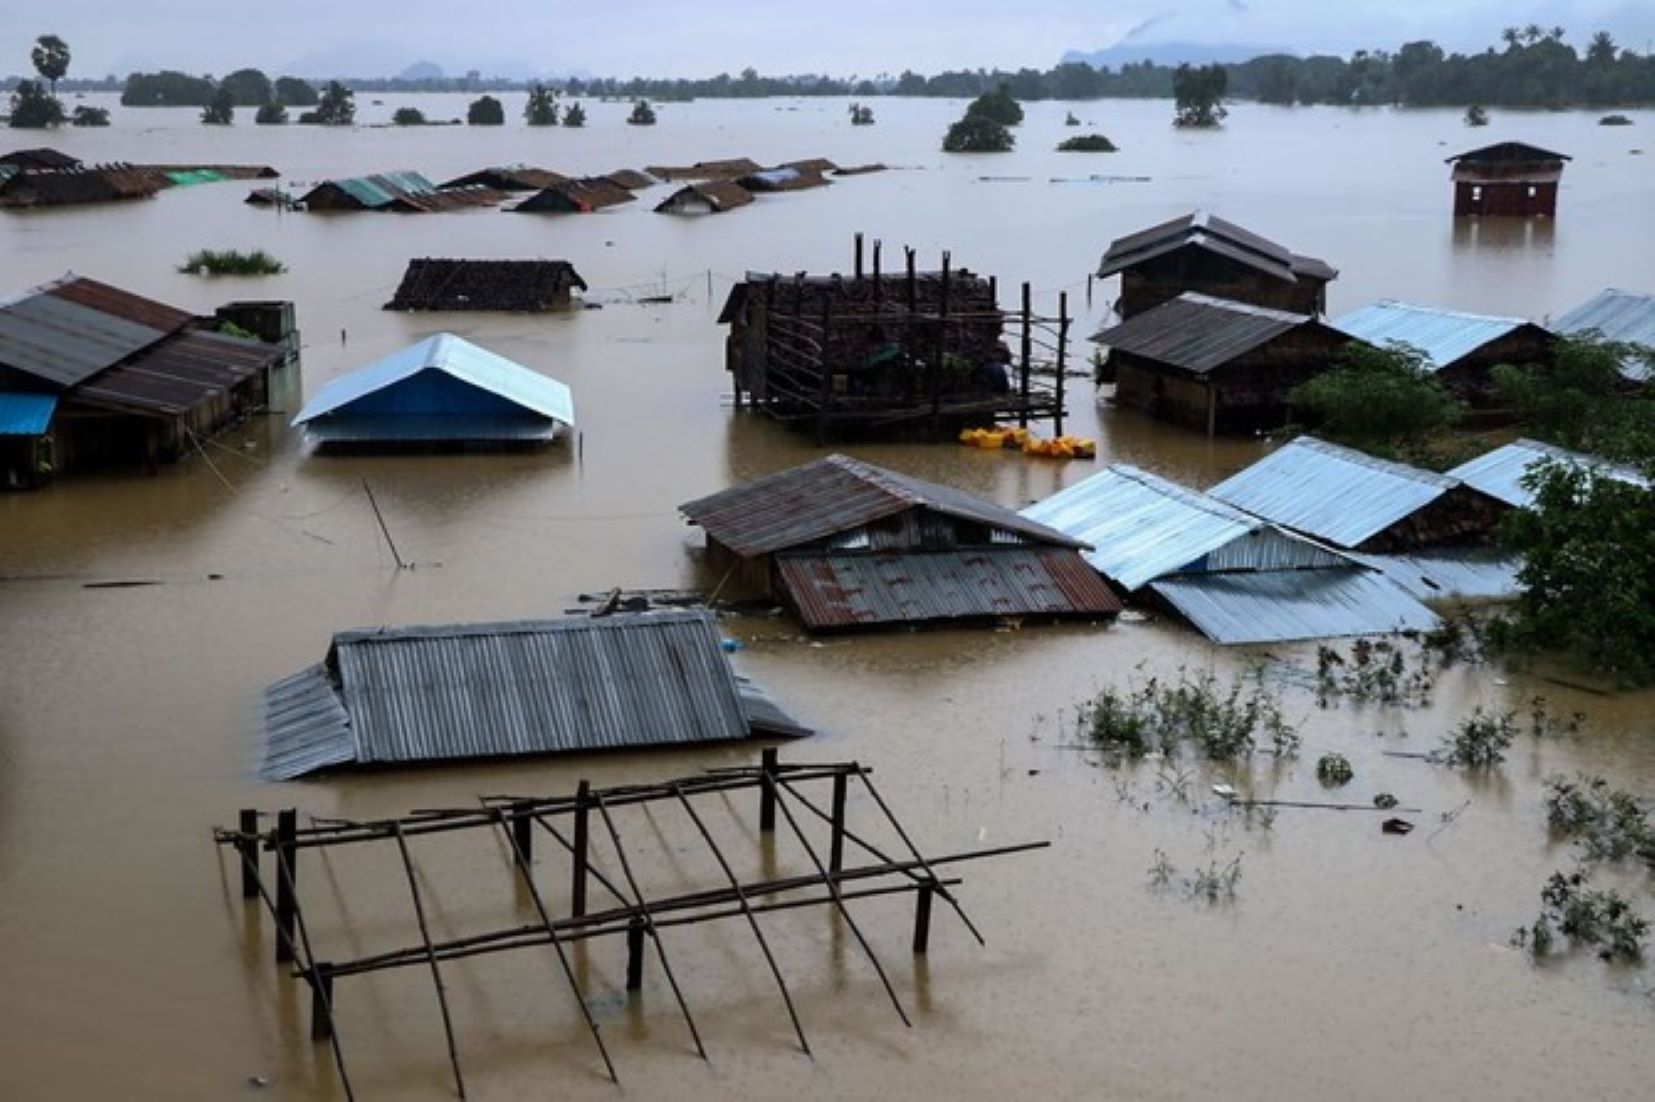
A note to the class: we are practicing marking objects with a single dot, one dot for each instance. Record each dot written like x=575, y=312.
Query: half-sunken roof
x=1500, y=473
x=1507, y=153
x=1205, y=231
x=67, y=331
x=832, y=495
x=1443, y=336
x=1198, y=332
x=1627, y=317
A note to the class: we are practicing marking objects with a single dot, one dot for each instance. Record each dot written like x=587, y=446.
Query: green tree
x=1602, y=50
x=1578, y=399
x=249, y=88
x=271, y=114
x=485, y=111
x=996, y=106
x=541, y=108
x=1199, y=95
x=167, y=88
x=337, y=107
x=408, y=116
x=89, y=116
x=1378, y=399
x=51, y=59
x=1475, y=115
x=293, y=92
x=34, y=108
x=574, y=115
x=861, y=115
x=642, y=114
x=222, y=111
x=977, y=134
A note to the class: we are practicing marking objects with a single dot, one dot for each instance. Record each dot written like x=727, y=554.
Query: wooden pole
x=248, y=848
x=383, y=527
x=287, y=903
x=635, y=954
x=922, y=918
x=431, y=955
x=942, y=343
x=1212, y=410
x=1023, y=371
x=825, y=386
x=767, y=790
x=859, y=256
x=876, y=280
x=1062, y=348
x=523, y=826
x=836, y=848
x=577, y=889
x=321, y=1002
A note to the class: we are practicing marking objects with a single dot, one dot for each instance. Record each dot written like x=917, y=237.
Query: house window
x=1476, y=194
x=1532, y=191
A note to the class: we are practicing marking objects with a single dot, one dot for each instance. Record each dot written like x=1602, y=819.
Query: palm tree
x=51, y=58
x=1532, y=33
x=1511, y=36
x=1602, y=51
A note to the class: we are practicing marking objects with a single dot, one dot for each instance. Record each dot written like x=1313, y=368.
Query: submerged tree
x=485, y=111
x=34, y=108
x=271, y=114
x=1475, y=115
x=1578, y=399
x=541, y=108
x=294, y=92
x=222, y=111
x=1378, y=399
x=861, y=115
x=51, y=59
x=997, y=105
x=337, y=107
x=574, y=115
x=1086, y=143
x=977, y=134
x=408, y=116
x=249, y=88
x=89, y=116
x=1199, y=95
x=642, y=114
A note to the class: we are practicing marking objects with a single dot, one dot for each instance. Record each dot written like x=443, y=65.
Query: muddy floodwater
x=1349, y=964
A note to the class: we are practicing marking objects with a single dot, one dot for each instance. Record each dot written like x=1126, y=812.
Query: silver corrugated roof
x=1624, y=316
x=1329, y=492
x=446, y=692
x=64, y=342
x=1442, y=336
x=1217, y=235
x=1499, y=473
x=1284, y=605
x=819, y=499
x=1467, y=574
x=1198, y=332
x=1142, y=527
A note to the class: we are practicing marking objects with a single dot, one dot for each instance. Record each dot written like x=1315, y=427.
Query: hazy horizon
x=656, y=39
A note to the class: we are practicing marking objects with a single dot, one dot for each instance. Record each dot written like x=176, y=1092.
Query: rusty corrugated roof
x=1198, y=333
x=179, y=374
x=838, y=591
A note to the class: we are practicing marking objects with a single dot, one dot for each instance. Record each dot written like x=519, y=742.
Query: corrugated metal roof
x=1499, y=473
x=1142, y=527
x=1213, y=234
x=455, y=357
x=1508, y=152
x=926, y=587
x=1627, y=317
x=835, y=494
x=485, y=690
x=118, y=303
x=1329, y=492
x=62, y=342
x=576, y=196
x=180, y=373
x=1471, y=574
x=1442, y=336
x=345, y=428
x=26, y=414
x=1198, y=332
x=710, y=196
x=1283, y=605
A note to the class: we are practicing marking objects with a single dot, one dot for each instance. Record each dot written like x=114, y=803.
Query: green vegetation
x=642, y=114
x=89, y=116
x=485, y=111
x=1375, y=671
x=541, y=108
x=167, y=88
x=222, y=111
x=293, y=92
x=1212, y=883
x=574, y=115
x=1475, y=115
x=1614, y=120
x=998, y=105
x=271, y=114
x=1334, y=770
x=231, y=262
x=1479, y=741
x=51, y=59
x=1070, y=120
x=977, y=134
x=1578, y=399
x=408, y=116
x=1223, y=723
x=337, y=107
x=1198, y=95
x=1600, y=919
x=1607, y=824
x=861, y=114
x=33, y=107
x=248, y=88
x=1086, y=143
x=1382, y=400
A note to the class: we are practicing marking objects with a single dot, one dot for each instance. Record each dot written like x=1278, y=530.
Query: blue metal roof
x=1283, y=605
x=1624, y=316
x=1467, y=574
x=449, y=355
x=437, y=693
x=1332, y=493
x=26, y=414
x=1443, y=336
x=1142, y=527
x=1499, y=473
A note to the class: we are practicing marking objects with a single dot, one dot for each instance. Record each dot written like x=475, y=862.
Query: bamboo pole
x=431, y=956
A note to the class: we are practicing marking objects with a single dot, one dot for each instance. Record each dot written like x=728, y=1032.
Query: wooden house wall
x=1469, y=376
x=1147, y=285
x=1251, y=391
x=1514, y=199
x=1460, y=516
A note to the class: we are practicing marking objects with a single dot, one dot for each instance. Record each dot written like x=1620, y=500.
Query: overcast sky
x=704, y=37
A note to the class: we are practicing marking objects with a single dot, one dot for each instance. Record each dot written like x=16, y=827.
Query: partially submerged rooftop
x=1500, y=473
x=1217, y=235
x=1199, y=333
x=1444, y=337
x=1625, y=317
x=523, y=286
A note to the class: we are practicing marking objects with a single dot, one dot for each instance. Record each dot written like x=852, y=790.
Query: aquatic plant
x=1222, y=722
x=1377, y=671
x=231, y=262
x=1602, y=919
x=1480, y=741
x=1086, y=143
x=1607, y=824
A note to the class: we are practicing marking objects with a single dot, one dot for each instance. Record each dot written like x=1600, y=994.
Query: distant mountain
x=1170, y=53
x=422, y=70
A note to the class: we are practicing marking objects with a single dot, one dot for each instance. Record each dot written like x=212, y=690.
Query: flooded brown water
x=1349, y=963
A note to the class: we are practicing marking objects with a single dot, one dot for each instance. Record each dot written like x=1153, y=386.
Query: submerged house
x=1208, y=255
x=91, y=375
x=403, y=192
x=705, y=197
x=706, y=170
x=1625, y=317
x=522, y=286
x=508, y=178
x=442, y=392
x=1507, y=178
x=1500, y=473
x=851, y=546
x=576, y=197
x=41, y=158
x=27, y=187
x=1459, y=348
x=1235, y=577
x=1215, y=364
x=785, y=178
x=1430, y=532
x=631, y=179
x=406, y=695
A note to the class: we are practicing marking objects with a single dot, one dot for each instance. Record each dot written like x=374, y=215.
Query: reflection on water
x=127, y=715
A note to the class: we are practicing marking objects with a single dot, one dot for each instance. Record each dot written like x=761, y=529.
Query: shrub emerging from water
x=642, y=114
x=271, y=114
x=574, y=115
x=89, y=116
x=231, y=262
x=408, y=116
x=1607, y=824
x=1479, y=742
x=1476, y=115
x=485, y=111
x=1086, y=143
x=1600, y=919
x=1614, y=120
x=977, y=134
x=1334, y=770
x=1222, y=722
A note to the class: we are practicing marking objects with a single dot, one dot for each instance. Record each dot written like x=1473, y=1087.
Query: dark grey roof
x=458, y=691
x=838, y=494
x=1507, y=153
x=1216, y=235
x=1198, y=332
x=63, y=342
